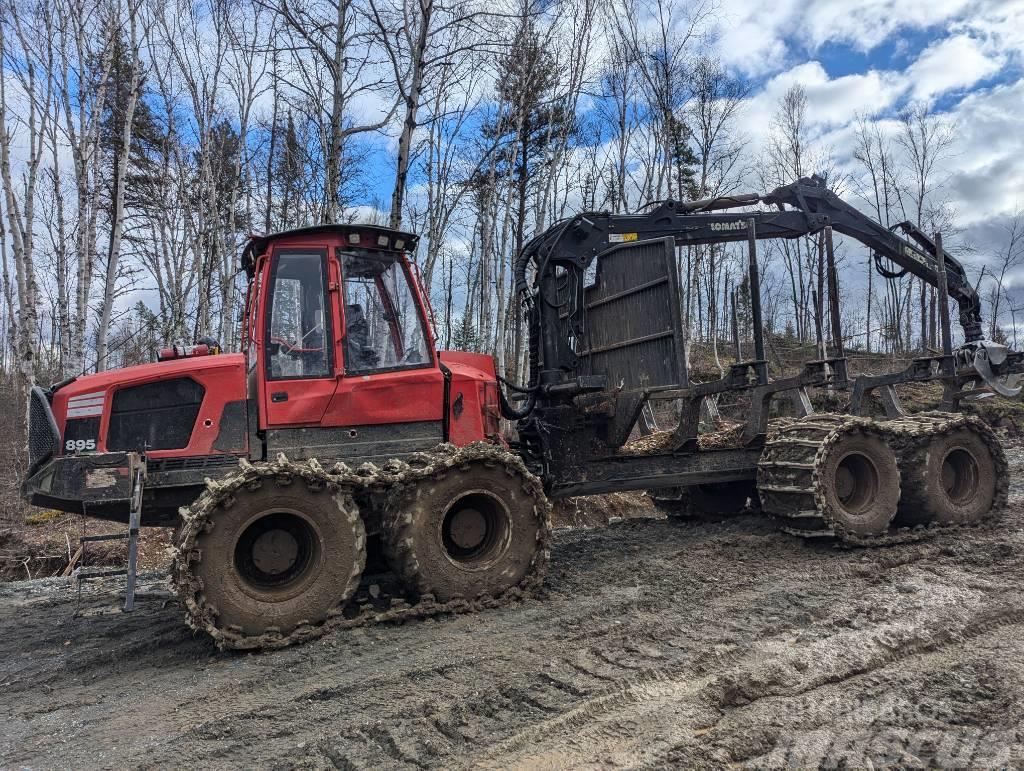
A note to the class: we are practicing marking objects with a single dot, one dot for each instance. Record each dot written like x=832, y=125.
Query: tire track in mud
x=618, y=661
x=477, y=719
x=645, y=721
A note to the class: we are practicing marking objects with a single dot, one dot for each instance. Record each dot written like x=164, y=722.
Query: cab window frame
x=327, y=323
x=396, y=257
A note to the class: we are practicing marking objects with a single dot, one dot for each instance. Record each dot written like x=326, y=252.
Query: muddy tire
x=951, y=480
x=858, y=484
x=280, y=556
x=475, y=530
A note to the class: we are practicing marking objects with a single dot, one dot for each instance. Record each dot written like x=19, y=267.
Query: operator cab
x=382, y=321
x=339, y=349
x=383, y=326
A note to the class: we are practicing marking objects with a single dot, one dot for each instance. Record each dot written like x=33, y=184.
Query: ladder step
x=85, y=576
x=785, y=464
x=104, y=537
x=800, y=442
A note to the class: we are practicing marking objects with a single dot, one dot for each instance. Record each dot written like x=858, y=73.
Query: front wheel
x=276, y=556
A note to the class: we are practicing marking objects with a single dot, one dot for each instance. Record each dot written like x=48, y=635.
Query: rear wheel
x=858, y=484
x=476, y=530
x=280, y=556
x=952, y=482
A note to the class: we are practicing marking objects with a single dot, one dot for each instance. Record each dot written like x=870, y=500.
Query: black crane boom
x=573, y=243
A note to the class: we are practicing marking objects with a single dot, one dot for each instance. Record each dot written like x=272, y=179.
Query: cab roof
x=369, y=238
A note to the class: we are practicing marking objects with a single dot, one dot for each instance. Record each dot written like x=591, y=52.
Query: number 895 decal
x=79, y=445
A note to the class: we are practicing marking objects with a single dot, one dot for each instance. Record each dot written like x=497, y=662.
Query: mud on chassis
x=341, y=471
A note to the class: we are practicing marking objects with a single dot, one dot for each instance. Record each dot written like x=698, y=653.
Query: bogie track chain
x=794, y=450
x=386, y=484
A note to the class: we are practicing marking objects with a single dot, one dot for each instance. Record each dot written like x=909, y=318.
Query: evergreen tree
x=226, y=166
x=147, y=137
x=684, y=161
x=289, y=174
x=530, y=117
x=466, y=337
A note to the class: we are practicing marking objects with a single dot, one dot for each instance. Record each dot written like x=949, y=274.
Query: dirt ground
x=657, y=643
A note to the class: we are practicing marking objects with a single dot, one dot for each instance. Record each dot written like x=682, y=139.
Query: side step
x=137, y=469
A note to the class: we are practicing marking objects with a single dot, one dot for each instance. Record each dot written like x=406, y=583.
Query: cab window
x=383, y=326
x=297, y=328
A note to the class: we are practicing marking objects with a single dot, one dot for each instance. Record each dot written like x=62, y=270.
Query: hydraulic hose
x=511, y=413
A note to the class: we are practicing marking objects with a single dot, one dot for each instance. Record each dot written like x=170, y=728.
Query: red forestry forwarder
x=341, y=470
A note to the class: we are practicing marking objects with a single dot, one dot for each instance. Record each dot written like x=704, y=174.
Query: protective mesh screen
x=154, y=416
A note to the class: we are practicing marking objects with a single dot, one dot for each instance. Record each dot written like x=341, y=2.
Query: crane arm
x=575, y=242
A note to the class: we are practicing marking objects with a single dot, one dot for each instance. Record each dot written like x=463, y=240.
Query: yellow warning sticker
x=618, y=238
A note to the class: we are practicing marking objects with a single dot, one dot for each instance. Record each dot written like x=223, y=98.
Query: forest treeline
x=142, y=141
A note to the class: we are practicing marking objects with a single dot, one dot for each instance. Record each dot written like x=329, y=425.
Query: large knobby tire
x=858, y=484
x=953, y=481
x=281, y=555
x=470, y=532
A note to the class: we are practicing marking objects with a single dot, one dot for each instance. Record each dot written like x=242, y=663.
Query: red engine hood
x=221, y=376
x=147, y=373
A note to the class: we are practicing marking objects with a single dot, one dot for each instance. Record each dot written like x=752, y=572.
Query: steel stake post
x=755, y=303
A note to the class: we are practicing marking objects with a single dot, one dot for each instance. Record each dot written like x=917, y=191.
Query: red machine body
x=338, y=362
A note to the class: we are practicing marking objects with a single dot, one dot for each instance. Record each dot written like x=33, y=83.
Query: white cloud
x=988, y=168
x=833, y=104
x=757, y=38
x=866, y=23
x=750, y=37
x=953, y=63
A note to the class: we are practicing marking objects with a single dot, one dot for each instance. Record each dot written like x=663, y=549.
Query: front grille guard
x=43, y=435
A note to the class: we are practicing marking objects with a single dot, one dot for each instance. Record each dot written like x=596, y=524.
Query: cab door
x=391, y=397
x=299, y=358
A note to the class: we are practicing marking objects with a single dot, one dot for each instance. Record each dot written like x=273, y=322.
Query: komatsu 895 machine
x=341, y=470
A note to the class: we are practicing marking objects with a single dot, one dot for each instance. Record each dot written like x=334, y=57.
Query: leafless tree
x=330, y=53
x=1010, y=258
x=926, y=139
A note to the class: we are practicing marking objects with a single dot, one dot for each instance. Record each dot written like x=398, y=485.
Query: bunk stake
x=838, y=350
x=947, y=340
x=755, y=303
x=737, y=351
x=134, y=522
x=819, y=335
x=833, y=296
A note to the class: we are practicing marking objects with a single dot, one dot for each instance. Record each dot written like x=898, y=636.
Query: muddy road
x=657, y=643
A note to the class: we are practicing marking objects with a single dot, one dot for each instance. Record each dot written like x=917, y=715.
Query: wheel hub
x=274, y=552
x=959, y=475
x=468, y=528
x=856, y=481
x=844, y=483
x=475, y=529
